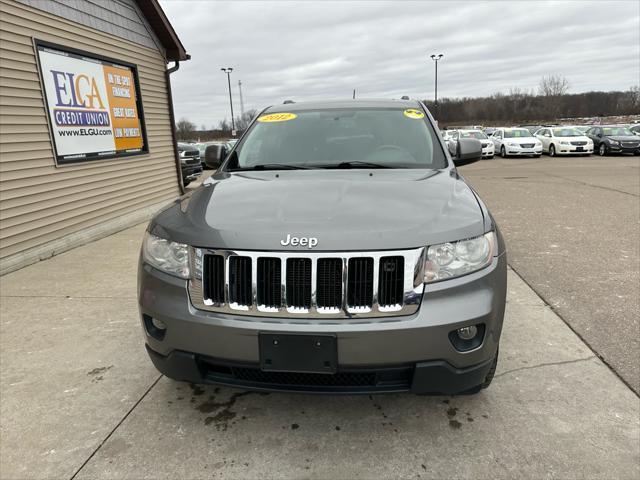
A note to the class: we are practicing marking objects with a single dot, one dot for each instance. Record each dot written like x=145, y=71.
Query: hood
x=343, y=209
x=521, y=140
x=624, y=138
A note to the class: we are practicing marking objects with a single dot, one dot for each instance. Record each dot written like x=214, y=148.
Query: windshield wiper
x=355, y=164
x=272, y=166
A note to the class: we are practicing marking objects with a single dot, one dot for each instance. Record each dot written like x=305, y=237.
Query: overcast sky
x=322, y=49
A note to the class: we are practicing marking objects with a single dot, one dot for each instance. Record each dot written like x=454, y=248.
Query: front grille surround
x=319, y=307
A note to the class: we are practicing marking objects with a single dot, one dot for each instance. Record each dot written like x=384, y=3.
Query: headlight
x=564, y=143
x=165, y=255
x=513, y=144
x=453, y=259
x=614, y=142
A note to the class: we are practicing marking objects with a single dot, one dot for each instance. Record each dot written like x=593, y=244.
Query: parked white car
x=564, y=141
x=516, y=142
x=488, y=150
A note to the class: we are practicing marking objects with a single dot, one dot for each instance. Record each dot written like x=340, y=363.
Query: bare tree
x=203, y=128
x=243, y=121
x=553, y=86
x=224, y=125
x=185, y=129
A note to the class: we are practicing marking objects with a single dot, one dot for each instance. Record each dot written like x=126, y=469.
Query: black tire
x=503, y=152
x=487, y=380
x=602, y=150
x=552, y=150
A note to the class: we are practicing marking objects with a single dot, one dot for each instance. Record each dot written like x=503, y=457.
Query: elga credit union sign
x=93, y=105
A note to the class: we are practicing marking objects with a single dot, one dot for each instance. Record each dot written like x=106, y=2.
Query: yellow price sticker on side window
x=277, y=117
x=413, y=113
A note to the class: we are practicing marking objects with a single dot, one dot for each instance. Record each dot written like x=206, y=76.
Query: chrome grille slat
x=214, y=285
x=391, y=282
x=269, y=283
x=328, y=298
x=298, y=283
x=240, y=275
x=329, y=284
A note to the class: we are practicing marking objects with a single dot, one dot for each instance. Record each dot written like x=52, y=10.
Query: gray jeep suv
x=337, y=249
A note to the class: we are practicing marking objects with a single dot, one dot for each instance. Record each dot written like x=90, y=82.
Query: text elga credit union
x=92, y=105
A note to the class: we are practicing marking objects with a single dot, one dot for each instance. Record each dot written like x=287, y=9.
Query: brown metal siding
x=40, y=202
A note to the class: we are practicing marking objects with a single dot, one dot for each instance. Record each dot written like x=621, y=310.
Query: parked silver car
x=337, y=249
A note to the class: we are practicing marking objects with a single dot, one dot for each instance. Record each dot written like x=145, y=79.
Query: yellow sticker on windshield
x=413, y=113
x=277, y=117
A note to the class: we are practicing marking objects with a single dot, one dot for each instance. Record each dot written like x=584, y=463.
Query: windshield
x=517, y=133
x=473, y=134
x=567, y=132
x=340, y=138
x=617, y=131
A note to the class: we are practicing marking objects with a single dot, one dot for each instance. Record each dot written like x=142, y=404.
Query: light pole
x=241, y=101
x=435, y=58
x=228, y=71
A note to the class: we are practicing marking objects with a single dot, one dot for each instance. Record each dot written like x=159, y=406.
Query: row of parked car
x=534, y=140
x=193, y=157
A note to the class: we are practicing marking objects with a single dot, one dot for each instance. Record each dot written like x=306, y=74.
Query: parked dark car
x=635, y=129
x=202, y=148
x=189, y=162
x=613, y=139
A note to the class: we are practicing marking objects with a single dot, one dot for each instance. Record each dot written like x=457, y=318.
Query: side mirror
x=214, y=156
x=467, y=150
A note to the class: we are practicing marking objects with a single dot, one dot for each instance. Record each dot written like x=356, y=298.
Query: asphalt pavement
x=572, y=227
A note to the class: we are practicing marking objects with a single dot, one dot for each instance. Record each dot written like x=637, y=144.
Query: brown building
x=87, y=145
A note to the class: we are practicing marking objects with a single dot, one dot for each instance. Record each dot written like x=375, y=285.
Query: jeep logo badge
x=308, y=242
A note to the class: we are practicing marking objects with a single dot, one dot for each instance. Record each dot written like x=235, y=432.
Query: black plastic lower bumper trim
x=433, y=377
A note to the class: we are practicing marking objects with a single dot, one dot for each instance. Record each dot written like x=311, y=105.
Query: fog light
x=159, y=324
x=155, y=328
x=467, y=333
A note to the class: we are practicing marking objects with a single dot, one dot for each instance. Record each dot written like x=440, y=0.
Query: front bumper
x=394, y=353
x=621, y=149
x=434, y=377
x=488, y=152
x=511, y=150
x=574, y=150
x=191, y=172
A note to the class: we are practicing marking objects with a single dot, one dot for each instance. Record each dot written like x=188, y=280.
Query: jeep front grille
x=299, y=282
x=214, y=281
x=360, y=283
x=319, y=285
x=329, y=288
x=269, y=285
x=391, y=275
x=239, y=280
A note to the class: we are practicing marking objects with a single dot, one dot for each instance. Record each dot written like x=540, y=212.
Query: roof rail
x=287, y=102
